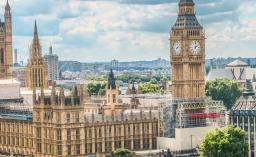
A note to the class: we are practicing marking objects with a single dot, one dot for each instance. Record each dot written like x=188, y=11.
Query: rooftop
x=236, y=63
x=187, y=21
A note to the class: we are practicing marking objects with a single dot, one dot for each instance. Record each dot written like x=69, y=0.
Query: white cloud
x=126, y=30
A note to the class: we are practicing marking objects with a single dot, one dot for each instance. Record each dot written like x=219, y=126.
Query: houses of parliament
x=57, y=124
x=67, y=123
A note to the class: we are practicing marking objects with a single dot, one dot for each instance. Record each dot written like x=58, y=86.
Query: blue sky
x=102, y=30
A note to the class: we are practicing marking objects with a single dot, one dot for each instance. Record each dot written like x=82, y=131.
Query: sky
x=102, y=30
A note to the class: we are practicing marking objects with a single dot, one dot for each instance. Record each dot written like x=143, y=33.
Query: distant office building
x=115, y=65
x=16, y=64
x=243, y=115
x=53, y=65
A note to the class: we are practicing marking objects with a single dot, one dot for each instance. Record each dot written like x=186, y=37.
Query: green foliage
x=101, y=78
x=225, y=142
x=121, y=152
x=102, y=92
x=96, y=88
x=150, y=88
x=132, y=78
x=223, y=89
x=153, y=81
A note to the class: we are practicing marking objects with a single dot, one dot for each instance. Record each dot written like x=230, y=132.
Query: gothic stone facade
x=59, y=127
x=6, y=61
x=37, y=72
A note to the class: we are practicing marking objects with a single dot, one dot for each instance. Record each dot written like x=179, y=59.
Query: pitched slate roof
x=220, y=73
x=237, y=62
x=186, y=21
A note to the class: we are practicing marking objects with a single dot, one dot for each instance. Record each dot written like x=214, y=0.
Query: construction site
x=187, y=121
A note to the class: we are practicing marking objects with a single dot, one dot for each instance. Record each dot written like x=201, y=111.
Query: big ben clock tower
x=187, y=42
x=190, y=108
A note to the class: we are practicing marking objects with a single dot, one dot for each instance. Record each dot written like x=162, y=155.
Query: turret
x=7, y=14
x=186, y=7
x=133, y=89
x=37, y=75
x=8, y=22
x=249, y=89
x=7, y=51
x=112, y=92
x=111, y=80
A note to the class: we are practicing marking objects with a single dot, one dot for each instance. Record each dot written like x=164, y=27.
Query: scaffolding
x=191, y=113
x=15, y=108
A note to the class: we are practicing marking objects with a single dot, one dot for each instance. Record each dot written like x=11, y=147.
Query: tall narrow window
x=77, y=117
x=108, y=98
x=2, y=56
x=69, y=135
x=68, y=117
x=114, y=98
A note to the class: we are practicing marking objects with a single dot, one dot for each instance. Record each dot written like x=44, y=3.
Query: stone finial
x=93, y=118
x=103, y=116
x=132, y=115
x=62, y=96
x=122, y=116
x=81, y=93
x=113, y=116
x=150, y=113
x=53, y=95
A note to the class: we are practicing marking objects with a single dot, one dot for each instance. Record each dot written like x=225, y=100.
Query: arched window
x=1, y=56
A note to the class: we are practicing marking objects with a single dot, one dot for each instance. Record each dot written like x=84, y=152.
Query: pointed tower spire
x=111, y=80
x=7, y=6
x=35, y=31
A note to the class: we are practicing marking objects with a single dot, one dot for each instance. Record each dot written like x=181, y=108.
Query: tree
x=150, y=88
x=153, y=81
x=96, y=88
x=225, y=90
x=102, y=92
x=121, y=152
x=225, y=142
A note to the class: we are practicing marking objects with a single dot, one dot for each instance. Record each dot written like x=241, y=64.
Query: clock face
x=177, y=48
x=195, y=47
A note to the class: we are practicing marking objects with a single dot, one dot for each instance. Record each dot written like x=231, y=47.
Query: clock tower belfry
x=187, y=43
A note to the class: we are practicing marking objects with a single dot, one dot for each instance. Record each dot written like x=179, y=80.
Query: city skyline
x=127, y=29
